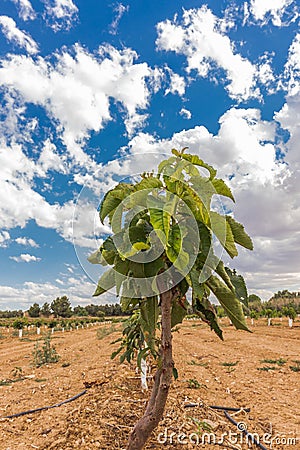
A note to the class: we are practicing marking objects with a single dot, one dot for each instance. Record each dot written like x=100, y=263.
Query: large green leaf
x=149, y=317
x=174, y=250
x=228, y=301
x=202, y=305
x=239, y=285
x=113, y=198
x=106, y=282
x=222, y=230
x=160, y=217
x=222, y=188
x=239, y=233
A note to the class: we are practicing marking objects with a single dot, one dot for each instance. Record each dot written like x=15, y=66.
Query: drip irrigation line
x=245, y=432
x=43, y=408
x=222, y=408
x=225, y=408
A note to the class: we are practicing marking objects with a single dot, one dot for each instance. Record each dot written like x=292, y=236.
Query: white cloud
x=185, y=113
x=4, y=238
x=280, y=12
x=61, y=14
x=77, y=90
x=291, y=79
x=120, y=10
x=200, y=36
x=50, y=159
x=18, y=37
x=26, y=241
x=79, y=292
x=26, y=11
x=177, y=84
x=25, y=257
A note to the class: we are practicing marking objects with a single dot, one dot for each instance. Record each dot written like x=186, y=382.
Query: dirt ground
x=232, y=373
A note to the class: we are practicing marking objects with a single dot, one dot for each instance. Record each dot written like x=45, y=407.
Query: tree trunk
x=162, y=381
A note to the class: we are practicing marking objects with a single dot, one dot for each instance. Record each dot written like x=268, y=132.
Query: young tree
x=61, y=307
x=162, y=244
x=34, y=310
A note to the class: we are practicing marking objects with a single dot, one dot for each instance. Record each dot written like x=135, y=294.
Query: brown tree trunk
x=162, y=381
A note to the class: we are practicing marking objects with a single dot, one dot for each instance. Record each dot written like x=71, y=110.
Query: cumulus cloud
x=50, y=159
x=60, y=14
x=26, y=241
x=76, y=91
x=26, y=11
x=200, y=36
x=25, y=257
x=18, y=37
x=79, y=292
x=279, y=12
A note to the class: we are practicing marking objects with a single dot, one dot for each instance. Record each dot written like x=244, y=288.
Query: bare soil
x=211, y=372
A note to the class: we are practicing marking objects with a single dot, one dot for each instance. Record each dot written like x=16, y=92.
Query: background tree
x=61, y=307
x=45, y=310
x=80, y=311
x=34, y=310
x=163, y=244
x=255, y=303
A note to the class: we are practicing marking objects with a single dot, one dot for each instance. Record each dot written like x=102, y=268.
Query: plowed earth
x=211, y=372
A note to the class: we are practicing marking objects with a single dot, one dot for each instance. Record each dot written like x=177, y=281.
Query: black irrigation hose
x=45, y=407
x=222, y=408
x=225, y=408
x=244, y=431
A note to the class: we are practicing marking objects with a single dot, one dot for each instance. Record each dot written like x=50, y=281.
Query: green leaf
x=149, y=317
x=165, y=163
x=222, y=272
x=239, y=233
x=228, y=301
x=222, y=230
x=179, y=311
x=113, y=198
x=175, y=373
x=149, y=183
x=207, y=313
x=239, y=285
x=194, y=159
x=190, y=198
x=128, y=303
x=96, y=257
x=159, y=216
x=222, y=188
x=140, y=246
x=106, y=282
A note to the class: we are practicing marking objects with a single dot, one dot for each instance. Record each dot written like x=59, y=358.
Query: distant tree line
x=61, y=307
x=281, y=303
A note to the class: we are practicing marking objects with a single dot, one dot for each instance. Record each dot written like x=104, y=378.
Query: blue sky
x=92, y=92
